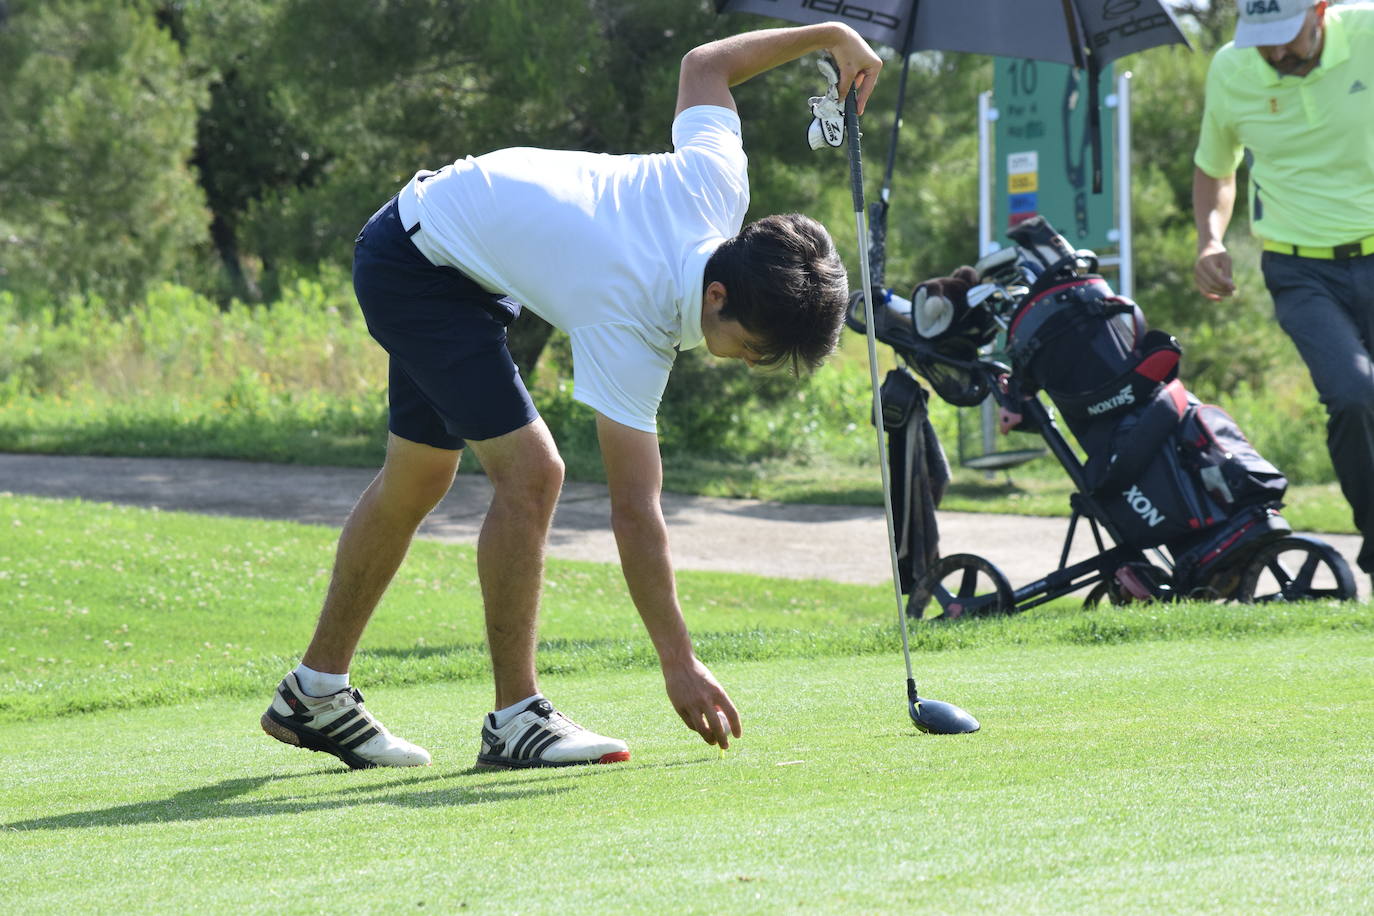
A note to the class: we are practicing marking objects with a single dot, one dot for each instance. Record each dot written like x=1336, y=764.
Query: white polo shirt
x=609, y=249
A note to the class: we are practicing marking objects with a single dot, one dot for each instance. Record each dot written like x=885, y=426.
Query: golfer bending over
x=635, y=258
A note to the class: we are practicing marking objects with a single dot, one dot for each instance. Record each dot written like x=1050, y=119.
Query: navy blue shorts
x=451, y=376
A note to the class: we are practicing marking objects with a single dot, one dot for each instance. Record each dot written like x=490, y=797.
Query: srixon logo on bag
x=1140, y=504
x=1120, y=399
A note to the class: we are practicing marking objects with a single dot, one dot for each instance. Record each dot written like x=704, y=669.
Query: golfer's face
x=735, y=343
x=1300, y=53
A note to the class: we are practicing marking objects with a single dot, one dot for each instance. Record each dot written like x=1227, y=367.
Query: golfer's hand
x=858, y=65
x=1212, y=273
x=701, y=701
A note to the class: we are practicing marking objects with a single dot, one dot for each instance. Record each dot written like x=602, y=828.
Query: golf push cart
x=1191, y=510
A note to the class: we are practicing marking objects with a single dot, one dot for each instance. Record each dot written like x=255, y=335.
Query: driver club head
x=935, y=717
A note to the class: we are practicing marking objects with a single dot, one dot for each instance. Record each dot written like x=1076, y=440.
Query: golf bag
x=1163, y=472
x=1163, y=467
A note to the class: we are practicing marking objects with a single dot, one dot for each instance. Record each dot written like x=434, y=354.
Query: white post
x=1126, y=286
x=986, y=115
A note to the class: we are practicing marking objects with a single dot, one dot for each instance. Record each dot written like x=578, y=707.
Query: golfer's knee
x=417, y=489
x=534, y=488
x=543, y=480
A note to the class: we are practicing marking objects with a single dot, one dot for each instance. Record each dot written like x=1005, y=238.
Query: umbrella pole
x=878, y=225
x=901, y=102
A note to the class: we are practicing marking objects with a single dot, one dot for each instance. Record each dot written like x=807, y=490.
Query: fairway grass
x=1205, y=776
x=1189, y=757
x=113, y=607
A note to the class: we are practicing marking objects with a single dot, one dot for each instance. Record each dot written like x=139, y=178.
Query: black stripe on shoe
x=531, y=733
x=539, y=747
x=358, y=739
x=347, y=725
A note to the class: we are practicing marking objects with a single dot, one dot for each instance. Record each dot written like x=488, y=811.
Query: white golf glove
x=827, y=125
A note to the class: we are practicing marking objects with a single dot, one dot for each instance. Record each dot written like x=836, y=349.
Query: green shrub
x=302, y=381
x=1287, y=424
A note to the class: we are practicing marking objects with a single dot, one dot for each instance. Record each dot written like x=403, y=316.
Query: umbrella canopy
x=1066, y=31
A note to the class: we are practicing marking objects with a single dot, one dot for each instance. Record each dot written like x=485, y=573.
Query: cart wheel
x=1131, y=582
x=1295, y=568
x=963, y=585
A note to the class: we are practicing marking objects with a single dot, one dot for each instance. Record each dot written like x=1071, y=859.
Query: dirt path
x=841, y=543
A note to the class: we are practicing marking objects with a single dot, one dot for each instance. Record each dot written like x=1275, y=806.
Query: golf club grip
x=856, y=166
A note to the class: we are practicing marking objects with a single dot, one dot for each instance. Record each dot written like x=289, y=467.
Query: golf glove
x=827, y=124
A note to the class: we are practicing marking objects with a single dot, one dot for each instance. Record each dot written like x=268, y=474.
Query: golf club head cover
x=827, y=124
x=937, y=303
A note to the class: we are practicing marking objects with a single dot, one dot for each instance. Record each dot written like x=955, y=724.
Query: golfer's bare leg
x=527, y=475
x=374, y=542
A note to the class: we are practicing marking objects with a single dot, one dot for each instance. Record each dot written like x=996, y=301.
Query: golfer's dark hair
x=785, y=284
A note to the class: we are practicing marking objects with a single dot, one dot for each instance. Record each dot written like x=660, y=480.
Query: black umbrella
x=1066, y=31
x=1087, y=34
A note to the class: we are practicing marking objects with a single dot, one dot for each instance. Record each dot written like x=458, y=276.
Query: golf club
x=931, y=716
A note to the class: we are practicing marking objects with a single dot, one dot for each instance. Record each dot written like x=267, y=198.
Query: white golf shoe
x=337, y=724
x=541, y=736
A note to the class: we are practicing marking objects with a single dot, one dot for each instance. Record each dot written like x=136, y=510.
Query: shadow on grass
x=226, y=800
x=427, y=790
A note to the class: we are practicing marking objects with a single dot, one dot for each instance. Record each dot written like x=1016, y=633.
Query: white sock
x=318, y=683
x=502, y=716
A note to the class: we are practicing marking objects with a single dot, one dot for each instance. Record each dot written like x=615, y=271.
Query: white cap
x=1269, y=22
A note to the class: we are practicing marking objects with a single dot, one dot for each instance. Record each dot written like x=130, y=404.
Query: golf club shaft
x=856, y=176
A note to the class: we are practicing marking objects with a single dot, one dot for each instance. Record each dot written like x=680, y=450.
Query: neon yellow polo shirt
x=1312, y=178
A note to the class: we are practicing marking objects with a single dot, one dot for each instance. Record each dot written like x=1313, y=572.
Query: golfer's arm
x=708, y=71
x=1214, y=200
x=634, y=473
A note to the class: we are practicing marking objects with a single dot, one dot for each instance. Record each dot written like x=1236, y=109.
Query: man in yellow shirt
x=1296, y=89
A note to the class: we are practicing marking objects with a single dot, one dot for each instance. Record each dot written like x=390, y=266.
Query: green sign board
x=1044, y=154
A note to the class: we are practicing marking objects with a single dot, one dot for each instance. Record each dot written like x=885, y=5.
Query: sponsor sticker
x=1023, y=162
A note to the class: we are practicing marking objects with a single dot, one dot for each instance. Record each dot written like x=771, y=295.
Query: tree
x=1210, y=23
x=373, y=92
x=144, y=140
x=97, y=121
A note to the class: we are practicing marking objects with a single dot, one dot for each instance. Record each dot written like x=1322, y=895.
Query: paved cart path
x=841, y=543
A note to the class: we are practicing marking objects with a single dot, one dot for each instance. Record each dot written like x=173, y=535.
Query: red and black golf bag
x=1163, y=467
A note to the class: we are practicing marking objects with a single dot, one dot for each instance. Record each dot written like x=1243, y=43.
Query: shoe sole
x=311, y=741
x=505, y=763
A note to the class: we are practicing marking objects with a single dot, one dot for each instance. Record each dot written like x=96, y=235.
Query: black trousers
x=1327, y=308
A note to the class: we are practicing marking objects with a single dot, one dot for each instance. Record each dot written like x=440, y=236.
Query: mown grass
x=105, y=607
x=1151, y=758
x=1180, y=777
